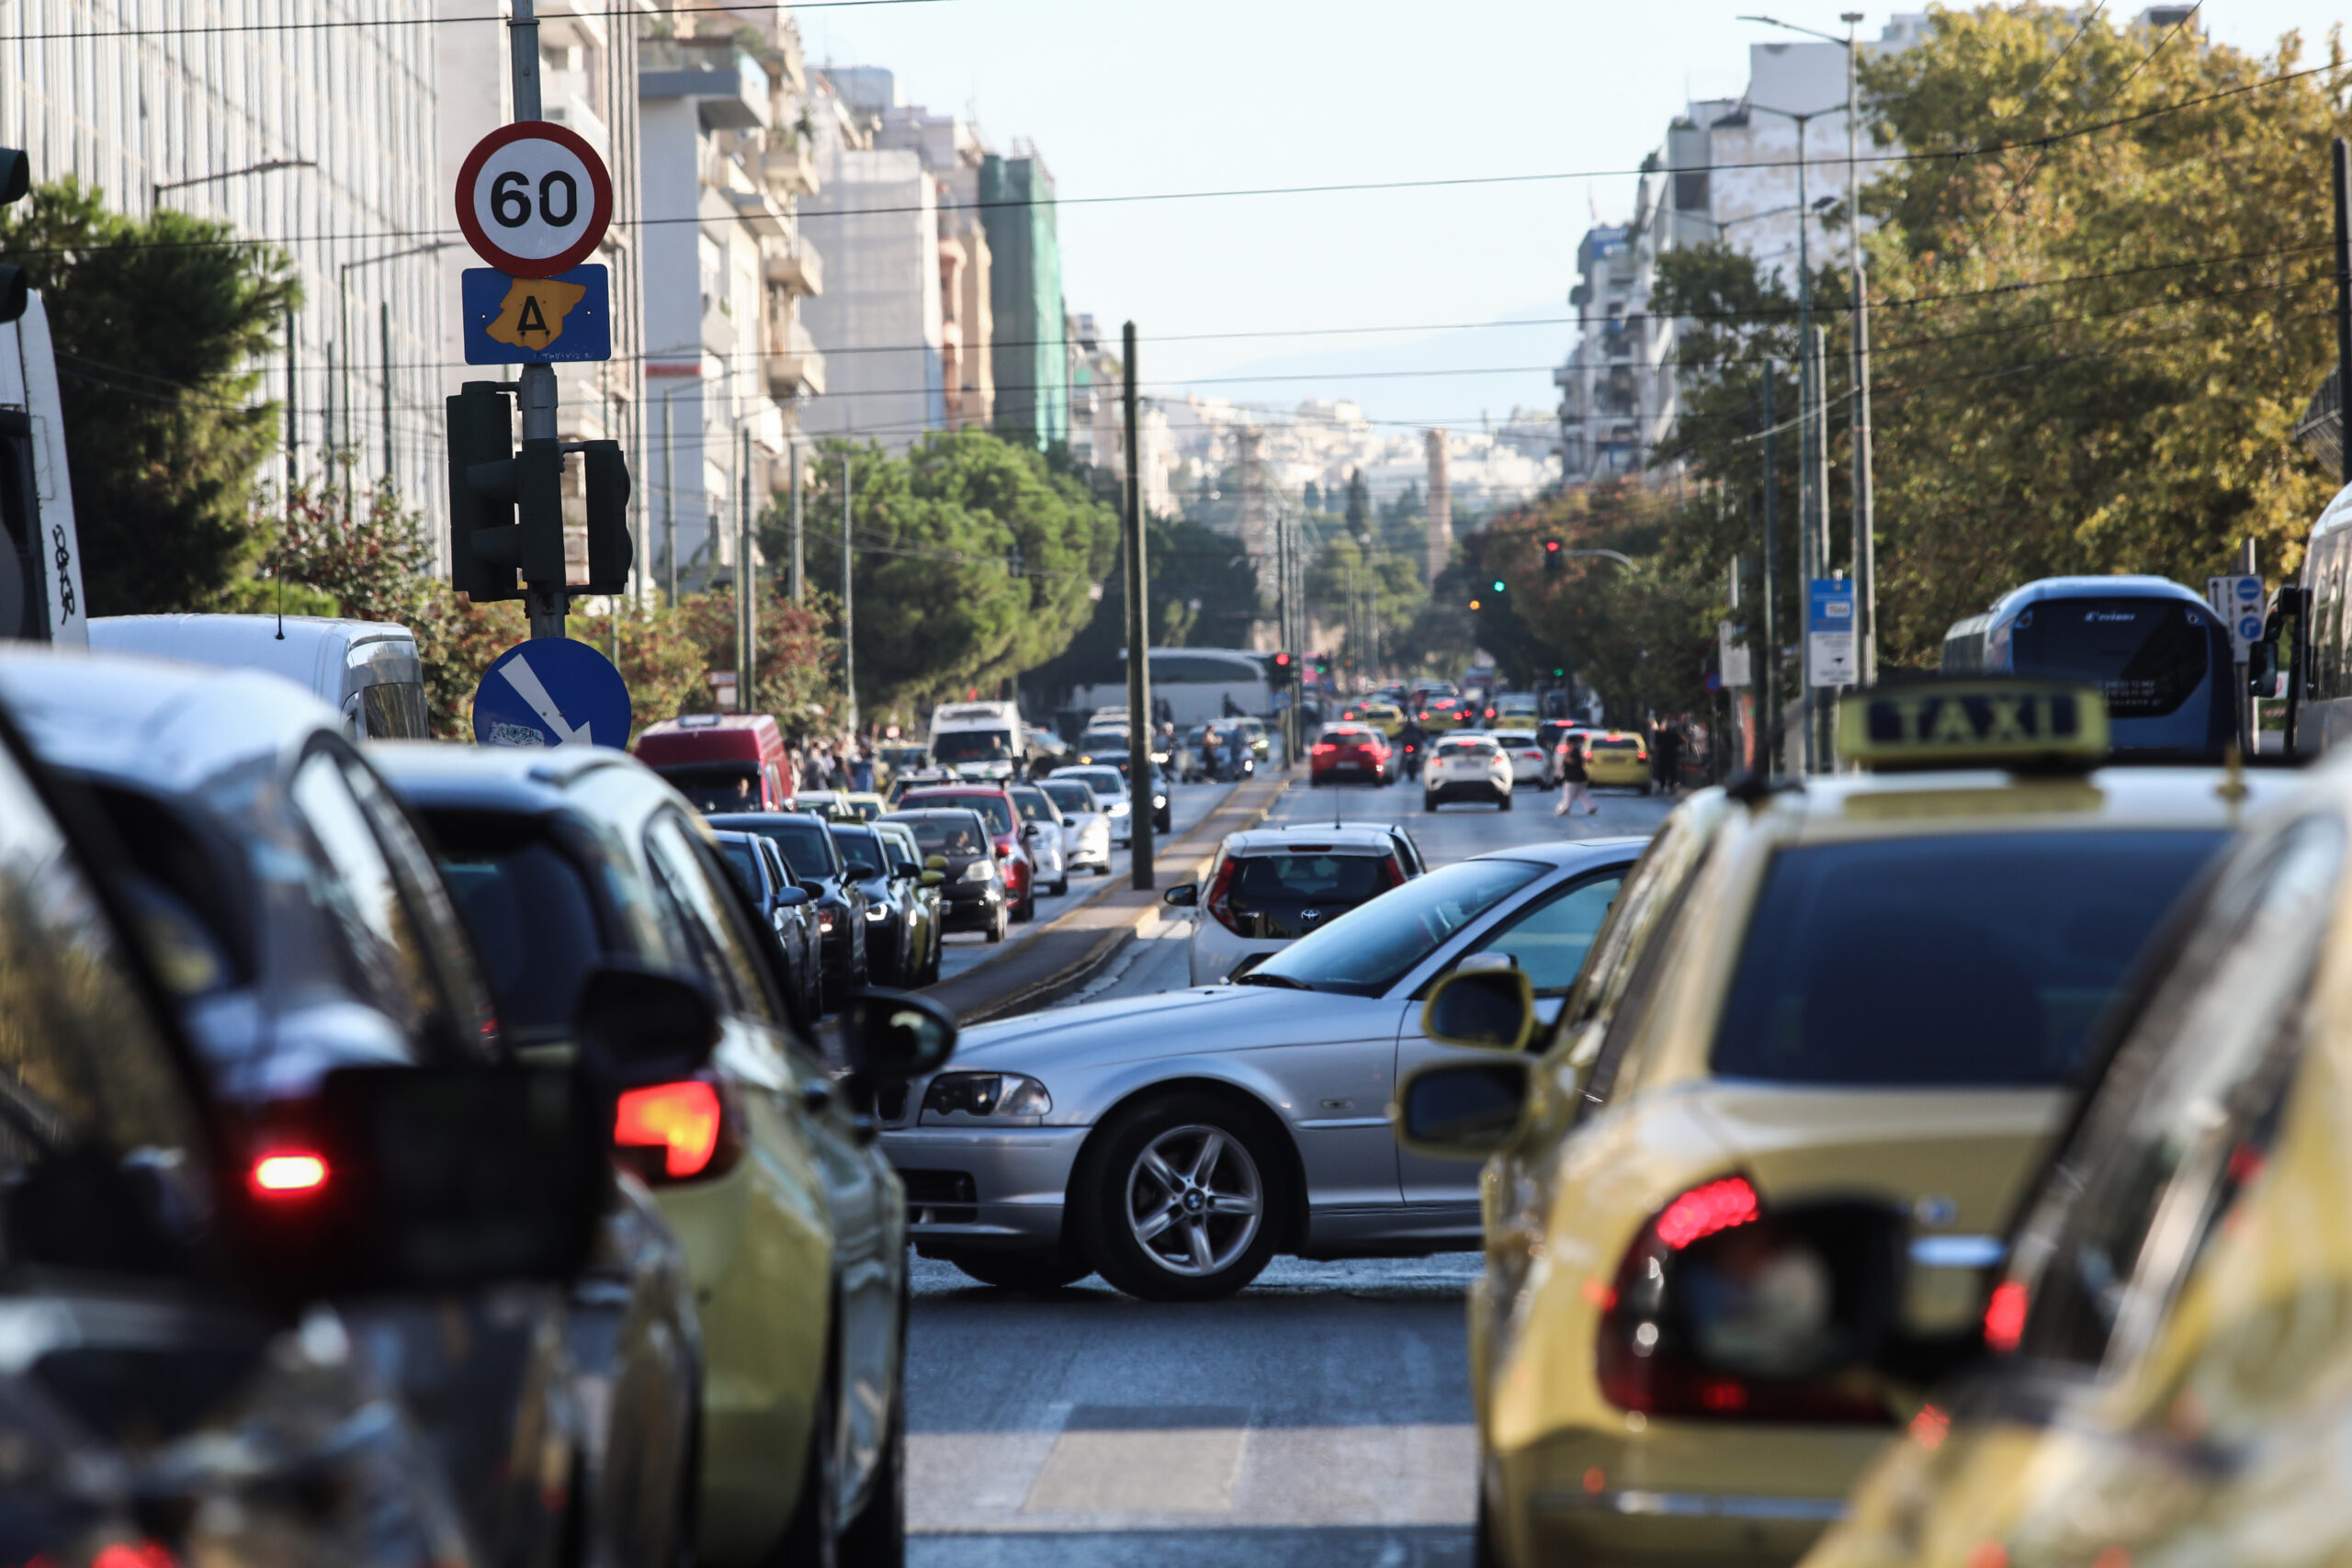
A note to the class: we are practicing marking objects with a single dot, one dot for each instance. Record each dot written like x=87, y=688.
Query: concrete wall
x=879, y=320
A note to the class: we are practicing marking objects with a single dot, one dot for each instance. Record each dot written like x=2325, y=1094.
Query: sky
x=1125, y=98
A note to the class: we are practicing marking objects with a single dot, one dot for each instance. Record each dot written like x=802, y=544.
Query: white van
x=368, y=671
x=979, y=741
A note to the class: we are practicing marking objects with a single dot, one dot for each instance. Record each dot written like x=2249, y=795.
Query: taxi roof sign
x=1973, y=724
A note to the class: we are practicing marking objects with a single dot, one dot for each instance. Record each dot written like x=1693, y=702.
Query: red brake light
x=1220, y=899
x=1391, y=874
x=287, y=1174
x=1703, y=1210
x=2004, y=1316
x=1324, y=749
x=129, y=1555
x=685, y=1120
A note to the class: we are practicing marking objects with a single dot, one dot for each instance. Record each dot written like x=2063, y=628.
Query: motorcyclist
x=1239, y=761
x=1413, y=741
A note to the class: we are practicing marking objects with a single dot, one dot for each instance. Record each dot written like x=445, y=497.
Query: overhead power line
x=624, y=12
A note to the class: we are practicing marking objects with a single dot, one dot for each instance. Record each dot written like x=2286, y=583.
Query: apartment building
x=724, y=160
x=1031, y=354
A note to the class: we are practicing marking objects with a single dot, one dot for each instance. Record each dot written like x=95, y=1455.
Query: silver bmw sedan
x=1176, y=1143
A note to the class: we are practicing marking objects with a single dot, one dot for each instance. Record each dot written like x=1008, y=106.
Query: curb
x=1075, y=974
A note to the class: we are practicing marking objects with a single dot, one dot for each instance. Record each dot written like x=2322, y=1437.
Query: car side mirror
x=1029, y=831
x=812, y=885
x=932, y=878
x=418, y=1179
x=891, y=1036
x=644, y=1026
x=1460, y=1109
x=1184, y=894
x=791, y=897
x=1490, y=1009
x=934, y=862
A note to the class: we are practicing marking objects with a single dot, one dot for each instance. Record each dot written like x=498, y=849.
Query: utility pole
x=536, y=393
x=2344, y=305
x=669, y=503
x=384, y=329
x=747, y=605
x=293, y=422
x=1141, y=874
x=1818, y=741
x=849, y=624
x=1766, y=670
x=799, y=575
x=1865, y=547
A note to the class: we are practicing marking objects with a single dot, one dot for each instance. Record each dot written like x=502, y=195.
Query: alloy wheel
x=1195, y=1200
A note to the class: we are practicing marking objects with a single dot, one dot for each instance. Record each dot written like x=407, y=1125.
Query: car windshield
x=1373, y=946
x=860, y=850
x=716, y=786
x=531, y=915
x=2147, y=654
x=1974, y=959
x=994, y=810
x=799, y=840
x=956, y=836
x=1071, y=794
x=971, y=746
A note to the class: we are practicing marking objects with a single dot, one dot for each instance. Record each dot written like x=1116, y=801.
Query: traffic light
x=16, y=180
x=1474, y=603
x=1284, y=672
x=483, y=539
x=605, y=478
x=1323, y=664
x=1555, y=558
x=1501, y=585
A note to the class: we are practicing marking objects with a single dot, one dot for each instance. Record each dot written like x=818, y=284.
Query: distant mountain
x=1476, y=365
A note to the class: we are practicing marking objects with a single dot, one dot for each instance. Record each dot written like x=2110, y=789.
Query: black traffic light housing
x=506, y=504
x=1555, y=558
x=16, y=182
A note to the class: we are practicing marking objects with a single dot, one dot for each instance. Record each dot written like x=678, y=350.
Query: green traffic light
x=1498, y=585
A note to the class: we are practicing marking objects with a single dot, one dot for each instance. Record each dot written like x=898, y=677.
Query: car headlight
x=985, y=1094
x=877, y=912
x=1158, y=801
x=979, y=871
x=1118, y=809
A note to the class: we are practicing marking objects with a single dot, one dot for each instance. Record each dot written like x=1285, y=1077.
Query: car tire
x=1428, y=803
x=1061, y=889
x=1504, y=803
x=1028, y=909
x=1025, y=1271
x=1211, y=1150
x=998, y=926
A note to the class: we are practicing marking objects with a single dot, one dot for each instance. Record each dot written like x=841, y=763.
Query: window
x=394, y=710
x=532, y=916
x=2187, y=1112
x=744, y=862
x=1070, y=795
x=704, y=920
x=807, y=847
x=2146, y=655
x=861, y=852
x=1374, y=945
x=383, y=951
x=98, y=1129
x=1548, y=941
x=717, y=786
x=1978, y=958
x=958, y=746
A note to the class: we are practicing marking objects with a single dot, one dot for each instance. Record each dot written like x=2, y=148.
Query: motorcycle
x=1412, y=765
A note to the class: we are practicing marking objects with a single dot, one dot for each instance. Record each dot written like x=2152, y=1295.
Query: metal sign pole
x=1139, y=810
x=536, y=393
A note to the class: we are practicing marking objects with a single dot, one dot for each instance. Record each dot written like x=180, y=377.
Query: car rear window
x=860, y=850
x=1618, y=745
x=800, y=839
x=994, y=810
x=1070, y=795
x=1325, y=879
x=958, y=835
x=1975, y=959
x=743, y=863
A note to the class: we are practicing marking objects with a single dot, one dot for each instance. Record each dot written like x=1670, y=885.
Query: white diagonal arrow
x=520, y=676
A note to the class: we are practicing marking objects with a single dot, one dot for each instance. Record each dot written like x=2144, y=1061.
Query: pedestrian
x=1573, y=788
x=861, y=770
x=1666, y=760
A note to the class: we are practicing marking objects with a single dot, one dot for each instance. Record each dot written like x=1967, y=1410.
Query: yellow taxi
x=1615, y=760
x=1440, y=712
x=1386, y=718
x=1872, y=985
x=2163, y=1368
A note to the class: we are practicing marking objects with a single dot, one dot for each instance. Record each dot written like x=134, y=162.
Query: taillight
x=1391, y=874
x=1758, y=1275
x=286, y=1173
x=672, y=1132
x=2004, y=1316
x=1220, y=899
x=1324, y=749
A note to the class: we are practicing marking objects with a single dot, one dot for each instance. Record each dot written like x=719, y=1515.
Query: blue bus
x=2156, y=650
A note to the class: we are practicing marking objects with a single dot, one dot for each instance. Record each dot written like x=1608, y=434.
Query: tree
x=159, y=324
x=1203, y=591
x=1359, y=505
x=973, y=562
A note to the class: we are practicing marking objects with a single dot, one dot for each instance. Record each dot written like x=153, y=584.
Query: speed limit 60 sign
x=533, y=198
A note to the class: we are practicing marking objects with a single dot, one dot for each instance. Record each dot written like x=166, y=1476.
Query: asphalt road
x=1322, y=1416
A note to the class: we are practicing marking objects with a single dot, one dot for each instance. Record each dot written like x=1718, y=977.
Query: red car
x=1346, y=753
x=994, y=804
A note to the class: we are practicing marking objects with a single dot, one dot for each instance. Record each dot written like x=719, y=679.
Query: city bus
x=2156, y=650
x=1190, y=685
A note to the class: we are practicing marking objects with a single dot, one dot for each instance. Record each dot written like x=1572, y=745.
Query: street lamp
x=155, y=191
x=343, y=336
x=1865, y=564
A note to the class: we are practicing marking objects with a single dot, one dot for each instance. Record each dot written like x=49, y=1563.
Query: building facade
x=1032, y=359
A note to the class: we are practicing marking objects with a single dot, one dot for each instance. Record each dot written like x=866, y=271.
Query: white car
x=1528, y=763
x=1111, y=791
x=1269, y=887
x=1086, y=825
x=1466, y=765
x=1041, y=836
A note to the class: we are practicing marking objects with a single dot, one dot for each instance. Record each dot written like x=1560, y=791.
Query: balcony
x=796, y=268
x=730, y=87
x=789, y=171
x=760, y=215
x=795, y=368
x=564, y=97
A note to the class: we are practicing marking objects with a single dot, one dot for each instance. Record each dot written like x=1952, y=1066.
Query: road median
x=1077, y=945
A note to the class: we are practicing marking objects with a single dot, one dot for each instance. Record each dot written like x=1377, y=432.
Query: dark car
x=994, y=804
x=786, y=906
x=892, y=914
x=303, y=931
x=925, y=881
x=166, y=1396
x=809, y=853
x=972, y=895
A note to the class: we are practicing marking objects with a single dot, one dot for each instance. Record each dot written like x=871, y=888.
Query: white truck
x=41, y=569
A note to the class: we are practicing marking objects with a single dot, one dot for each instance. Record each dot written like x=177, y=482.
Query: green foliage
x=1386, y=583
x=973, y=560
x=1202, y=591
x=158, y=326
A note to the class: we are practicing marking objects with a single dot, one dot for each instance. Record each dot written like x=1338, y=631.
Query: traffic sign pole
x=547, y=604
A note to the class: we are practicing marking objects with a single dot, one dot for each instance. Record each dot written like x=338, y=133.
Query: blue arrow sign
x=551, y=691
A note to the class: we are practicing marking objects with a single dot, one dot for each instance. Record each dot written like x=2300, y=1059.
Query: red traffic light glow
x=1551, y=547
x=287, y=1174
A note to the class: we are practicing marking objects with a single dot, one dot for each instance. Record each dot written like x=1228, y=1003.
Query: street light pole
x=156, y=192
